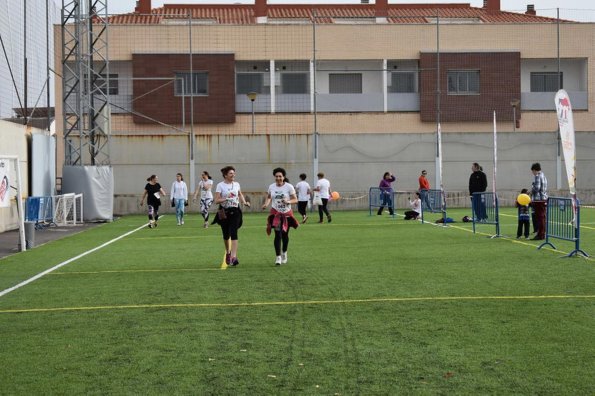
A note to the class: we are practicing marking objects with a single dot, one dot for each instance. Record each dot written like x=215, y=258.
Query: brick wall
x=500, y=83
x=156, y=99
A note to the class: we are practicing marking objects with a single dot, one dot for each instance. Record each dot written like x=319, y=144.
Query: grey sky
x=569, y=9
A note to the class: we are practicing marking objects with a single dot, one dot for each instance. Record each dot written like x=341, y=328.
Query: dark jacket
x=478, y=182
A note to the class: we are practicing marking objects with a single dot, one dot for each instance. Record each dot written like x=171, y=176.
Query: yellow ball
x=523, y=199
x=335, y=195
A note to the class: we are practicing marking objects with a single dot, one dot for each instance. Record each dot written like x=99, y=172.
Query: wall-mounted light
x=515, y=124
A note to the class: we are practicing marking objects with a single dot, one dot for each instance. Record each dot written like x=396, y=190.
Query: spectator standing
x=386, y=193
x=303, y=191
x=523, y=218
x=539, y=200
x=179, y=196
x=478, y=182
x=424, y=188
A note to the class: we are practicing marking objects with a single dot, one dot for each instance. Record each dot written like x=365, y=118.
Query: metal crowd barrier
x=563, y=222
x=485, y=210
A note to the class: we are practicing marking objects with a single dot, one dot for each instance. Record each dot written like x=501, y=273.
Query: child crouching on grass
x=523, y=215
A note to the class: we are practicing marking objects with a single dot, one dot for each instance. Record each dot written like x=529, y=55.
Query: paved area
x=10, y=242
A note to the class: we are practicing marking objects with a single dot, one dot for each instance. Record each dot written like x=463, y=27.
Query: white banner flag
x=566, y=123
x=4, y=183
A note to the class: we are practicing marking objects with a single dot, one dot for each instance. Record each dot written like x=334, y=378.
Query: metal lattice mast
x=85, y=82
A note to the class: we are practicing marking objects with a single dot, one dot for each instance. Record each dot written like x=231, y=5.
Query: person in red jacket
x=424, y=188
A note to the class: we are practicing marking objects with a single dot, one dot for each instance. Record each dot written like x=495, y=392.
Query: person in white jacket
x=179, y=197
x=415, y=205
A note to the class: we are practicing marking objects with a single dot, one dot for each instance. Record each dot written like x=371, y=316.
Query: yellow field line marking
x=284, y=303
x=133, y=271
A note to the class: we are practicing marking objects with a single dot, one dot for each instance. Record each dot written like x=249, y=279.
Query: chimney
x=381, y=10
x=531, y=9
x=491, y=5
x=260, y=11
x=143, y=7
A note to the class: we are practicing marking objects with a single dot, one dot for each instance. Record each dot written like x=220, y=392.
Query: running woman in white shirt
x=280, y=195
x=228, y=196
x=303, y=194
x=205, y=186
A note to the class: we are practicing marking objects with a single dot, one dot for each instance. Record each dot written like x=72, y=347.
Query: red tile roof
x=325, y=13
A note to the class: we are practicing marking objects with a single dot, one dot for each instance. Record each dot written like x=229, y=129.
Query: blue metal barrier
x=39, y=210
x=433, y=201
x=485, y=210
x=563, y=222
x=378, y=198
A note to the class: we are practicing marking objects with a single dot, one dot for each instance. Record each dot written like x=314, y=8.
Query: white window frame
x=462, y=77
x=545, y=76
x=195, y=90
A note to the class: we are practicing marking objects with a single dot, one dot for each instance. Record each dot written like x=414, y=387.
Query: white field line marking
x=134, y=271
x=62, y=264
x=307, y=302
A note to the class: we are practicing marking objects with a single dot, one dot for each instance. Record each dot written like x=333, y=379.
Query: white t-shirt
x=279, y=194
x=231, y=192
x=415, y=205
x=205, y=187
x=302, y=190
x=179, y=190
x=324, y=187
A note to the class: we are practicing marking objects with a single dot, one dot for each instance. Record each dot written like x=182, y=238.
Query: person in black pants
x=153, y=192
x=478, y=182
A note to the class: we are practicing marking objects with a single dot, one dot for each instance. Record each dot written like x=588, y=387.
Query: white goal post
x=67, y=209
x=9, y=166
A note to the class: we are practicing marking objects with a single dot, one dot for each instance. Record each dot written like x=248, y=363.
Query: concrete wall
x=352, y=163
x=13, y=141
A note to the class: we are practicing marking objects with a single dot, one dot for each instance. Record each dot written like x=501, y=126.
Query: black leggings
x=302, y=206
x=281, y=236
x=322, y=208
x=231, y=225
x=155, y=215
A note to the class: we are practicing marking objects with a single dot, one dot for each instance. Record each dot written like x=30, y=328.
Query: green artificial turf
x=366, y=305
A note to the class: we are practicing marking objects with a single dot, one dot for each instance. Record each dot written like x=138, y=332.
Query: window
x=402, y=82
x=249, y=82
x=101, y=84
x=191, y=84
x=345, y=83
x=294, y=83
x=463, y=82
x=546, y=82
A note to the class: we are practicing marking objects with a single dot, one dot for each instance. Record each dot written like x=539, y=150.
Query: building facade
x=382, y=73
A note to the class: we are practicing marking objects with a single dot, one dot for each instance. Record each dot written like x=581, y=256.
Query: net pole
x=442, y=197
x=495, y=172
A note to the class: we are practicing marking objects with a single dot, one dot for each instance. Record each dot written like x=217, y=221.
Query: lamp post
x=252, y=97
x=514, y=103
